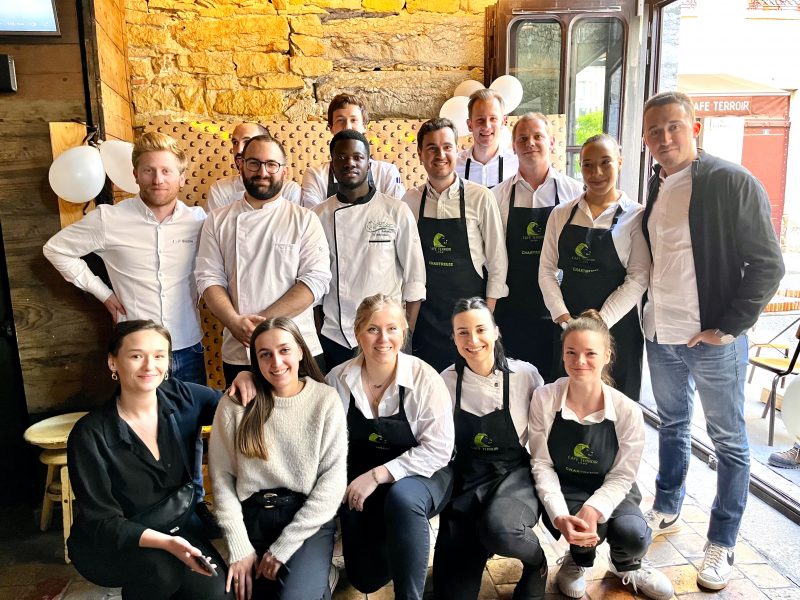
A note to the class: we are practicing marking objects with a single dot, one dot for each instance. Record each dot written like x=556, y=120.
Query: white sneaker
x=662, y=523
x=333, y=578
x=570, y=577
x=715, y=572
x=646, y=580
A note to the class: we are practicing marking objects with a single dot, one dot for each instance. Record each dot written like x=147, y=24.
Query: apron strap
x=466, y=168
x=462, y=206
x=460, y=380
x=572, y=214
x=500, y=169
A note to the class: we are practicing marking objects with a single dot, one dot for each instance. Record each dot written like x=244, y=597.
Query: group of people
x=384, y=289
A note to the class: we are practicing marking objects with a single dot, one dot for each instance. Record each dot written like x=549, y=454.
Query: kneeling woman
x=400, y=429
x=285, y=452
x=494, y=506
x=130, y=463
x=586, y=439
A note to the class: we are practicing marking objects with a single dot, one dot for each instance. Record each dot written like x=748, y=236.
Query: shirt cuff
x=496, y=290
x=559, y=309
x=413, y=291
x=239, y=544
x=556, y=507
x=397, y=471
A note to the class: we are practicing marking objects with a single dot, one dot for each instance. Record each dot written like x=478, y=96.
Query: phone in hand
x=205, y=564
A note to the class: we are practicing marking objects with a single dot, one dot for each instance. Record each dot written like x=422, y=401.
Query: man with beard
x=148, y=244
x=229, y=189
x=261, y=257
x=374, y=247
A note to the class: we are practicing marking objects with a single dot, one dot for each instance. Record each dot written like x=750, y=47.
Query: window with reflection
x=535, y=59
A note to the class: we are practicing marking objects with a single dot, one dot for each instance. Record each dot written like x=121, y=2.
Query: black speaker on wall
x=8, y=74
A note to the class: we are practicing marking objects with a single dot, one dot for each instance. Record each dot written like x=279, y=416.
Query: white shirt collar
x=607, y=412
x=404, y=375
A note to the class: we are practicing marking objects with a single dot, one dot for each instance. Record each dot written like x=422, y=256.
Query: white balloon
x=468, y=87
x=790, y=409
x=118, y=164
x=455, y=109
x=510, y=89
x=77, y=174
x=505, y=137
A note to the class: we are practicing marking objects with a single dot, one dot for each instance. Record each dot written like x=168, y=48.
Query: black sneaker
x=211, y=528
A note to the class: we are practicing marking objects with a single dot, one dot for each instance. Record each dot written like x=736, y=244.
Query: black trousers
x=148, y=573
x=334, y=353
x=506, y=528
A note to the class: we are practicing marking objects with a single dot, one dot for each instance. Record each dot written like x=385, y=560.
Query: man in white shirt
x=526, y=201
x=716, y=264
x=319, y=183
x=230, y=189
x=374, y=247
x=462, y=238
x=148, y=244
x=486, y=162
x=261, y=257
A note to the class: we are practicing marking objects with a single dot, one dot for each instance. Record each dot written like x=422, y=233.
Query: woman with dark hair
x=286, y=452
x=400, y=436
x=586, y=439
x=494, y=507
x=130, y=464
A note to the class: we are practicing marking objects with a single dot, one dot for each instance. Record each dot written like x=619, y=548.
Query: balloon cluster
x=455, y=109
x=79, y=174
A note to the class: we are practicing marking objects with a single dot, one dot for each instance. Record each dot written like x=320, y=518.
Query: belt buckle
x=268, y=497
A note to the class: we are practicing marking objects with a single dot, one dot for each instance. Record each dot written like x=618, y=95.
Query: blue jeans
x=718, y=374
x=189, y=364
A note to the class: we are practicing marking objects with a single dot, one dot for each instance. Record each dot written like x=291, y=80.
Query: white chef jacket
x=487, y=242
x=628, y=240
x=258, y=255
x=542, y=197
x=315, y=182
x=482, y=395
x=427, y=405
x=673, y=306
x=487, y=174
x=150, y=264
x=628, y=424
x=374, y=248
x=230, y=189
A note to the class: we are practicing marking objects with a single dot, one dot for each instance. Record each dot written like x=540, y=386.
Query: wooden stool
x=57, y=490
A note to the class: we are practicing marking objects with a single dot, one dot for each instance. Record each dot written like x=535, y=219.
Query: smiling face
x=585, y=354
x=485, y=122
x=671, y=136
x=160, y=178
x=600, y=164
x=381, y=336
x=141, y=362
x=438, y=154
x=475, y=334
x=533, y=144
x=260, y=184
x=350, y=163
x=279, y=358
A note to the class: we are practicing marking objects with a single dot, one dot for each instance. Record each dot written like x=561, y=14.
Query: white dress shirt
x=483, y=395
x=315, y=182
x=427, y=405
x=484, y=229
x=487, y=174
x=628, y=424
x=672, y=312
x=257, y=256
x=150, y=264
x=628, y=241
x=374, y=247
x=230, y=189
x=542, y=197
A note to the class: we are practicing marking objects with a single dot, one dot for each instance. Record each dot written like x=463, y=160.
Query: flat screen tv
x=28, y=17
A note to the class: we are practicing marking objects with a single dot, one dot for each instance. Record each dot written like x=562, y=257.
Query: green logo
x=377, y=438
x=533, y=229
x=583, y=250
x=582, y=451
x=439, y=241
x=482, y=440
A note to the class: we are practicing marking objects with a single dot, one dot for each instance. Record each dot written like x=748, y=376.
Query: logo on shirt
x=377, y=438
x=583, y=454
x=440, y=244
x=380, y=230
x=483, y=442
x=583, y=250
x=534, y=230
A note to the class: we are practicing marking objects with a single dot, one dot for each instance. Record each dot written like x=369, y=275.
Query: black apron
x=499, y=170
x=522, y=316
x=487, y=451
x=333, y=186
x=592, y=271
x=450, y=275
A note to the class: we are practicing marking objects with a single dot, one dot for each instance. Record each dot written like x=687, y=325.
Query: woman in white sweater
x=287, y=451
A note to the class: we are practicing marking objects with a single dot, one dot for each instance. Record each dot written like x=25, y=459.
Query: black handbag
x=170, y=514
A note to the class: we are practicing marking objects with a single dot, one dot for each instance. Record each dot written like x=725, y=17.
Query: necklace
x=375, y=390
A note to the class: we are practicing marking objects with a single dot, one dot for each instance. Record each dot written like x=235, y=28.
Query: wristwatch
x=725, y=338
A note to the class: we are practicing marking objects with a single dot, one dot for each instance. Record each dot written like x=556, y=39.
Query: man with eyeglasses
x=229, y=189
x=261, y=257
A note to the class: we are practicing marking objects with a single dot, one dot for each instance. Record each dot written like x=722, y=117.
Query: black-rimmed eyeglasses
x=253, y=165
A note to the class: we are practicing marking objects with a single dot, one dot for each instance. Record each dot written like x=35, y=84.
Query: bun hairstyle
x=369, y=306
x=478, y=303
x=590, y=320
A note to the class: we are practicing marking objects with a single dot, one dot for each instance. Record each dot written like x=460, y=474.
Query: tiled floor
x=767, y=555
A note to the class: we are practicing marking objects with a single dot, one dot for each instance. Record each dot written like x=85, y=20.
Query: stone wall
x=194, y=59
